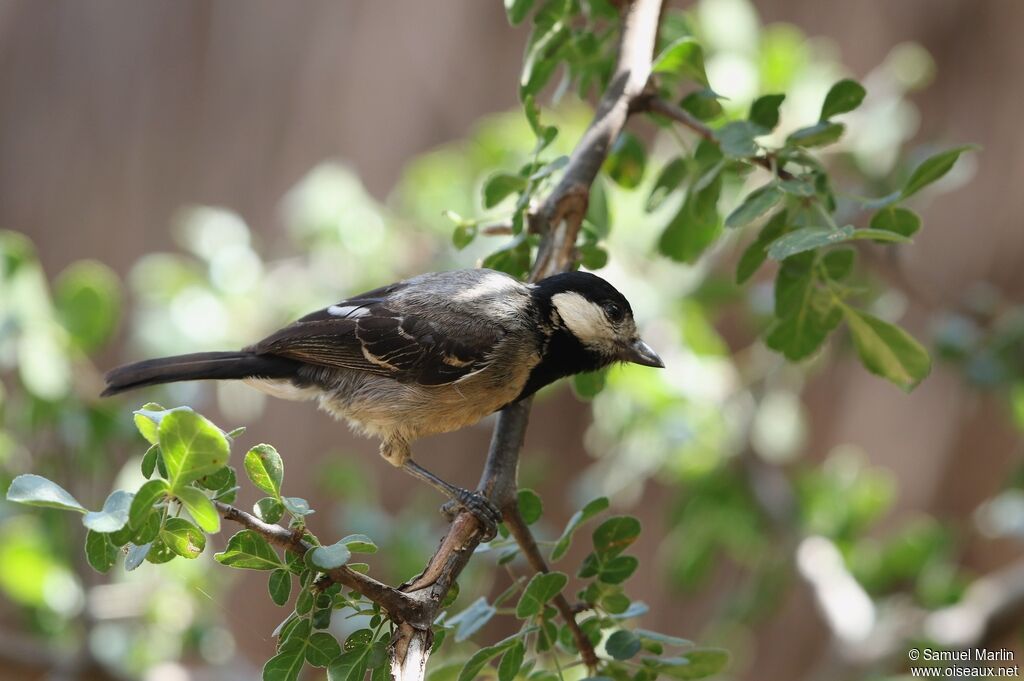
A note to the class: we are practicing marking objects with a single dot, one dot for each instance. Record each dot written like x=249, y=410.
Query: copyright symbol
x=913, y=654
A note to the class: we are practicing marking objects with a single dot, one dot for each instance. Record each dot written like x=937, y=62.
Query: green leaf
x=696, y=664
x=200, y=508
x=114, y=515
x=817, y=135
x=870, y=234
x=807, y=239
x=517, y=10
x=622, y=645
x=100, y=552
x=280, y=586
x=625, y=164
x=902, y=221
x=149, y=460
x=511, y=661
x=329, y=557
x=757, y=252
x=756, y=204
x=35, y=490
x=588, y=384
x=268, y=509
x=839, y=263
x=805, y=315
x=322, y=649
x=191, y=447
x=541, y=589
x=811, y=238
x=142, y=505
x=887, y=350
x=614, y=535
x=737, y=139
x=464, y=234
x=501, y=185
x=481, y=657
x=182, y=537
x=933, y=169
x=618, y=569
x=592, y=256
x=147, y=420
x=530, y=506
x=472, y=619
x=764, y=112
x=351, y=665
x=248, y=550
x=684, y=57
x=265, y=469
x=665, y=639
x=359, y=543
x=671, y=176
x=844, y=96
x=695, y=226
x=597, y=209
x=592, y=508
x=297, y=506
x=87, y=300
x=702, y=104
x=285, y=666
x=542, y=57
x=148, y=529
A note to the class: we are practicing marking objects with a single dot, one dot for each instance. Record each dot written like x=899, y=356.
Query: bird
x=430, y=354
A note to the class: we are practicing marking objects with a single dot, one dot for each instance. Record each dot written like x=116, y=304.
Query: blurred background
x=178, y=176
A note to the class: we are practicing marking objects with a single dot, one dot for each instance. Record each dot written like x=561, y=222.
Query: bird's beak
x=639, y=352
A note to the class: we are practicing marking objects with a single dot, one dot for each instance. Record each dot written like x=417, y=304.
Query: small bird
x=427, y=355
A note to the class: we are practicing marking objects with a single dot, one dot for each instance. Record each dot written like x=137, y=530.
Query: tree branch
x=414, y=606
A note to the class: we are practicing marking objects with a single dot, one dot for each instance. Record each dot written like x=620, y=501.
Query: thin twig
x=678, y=114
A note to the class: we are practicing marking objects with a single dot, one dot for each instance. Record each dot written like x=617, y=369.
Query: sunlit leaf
x=888, y=350
x=35, y=490
x=191, y=447
x=114, y=515
x=265, y=469
x=248, y=550
x=200, y=508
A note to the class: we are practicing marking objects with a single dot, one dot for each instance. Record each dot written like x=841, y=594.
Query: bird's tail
x=198, y=366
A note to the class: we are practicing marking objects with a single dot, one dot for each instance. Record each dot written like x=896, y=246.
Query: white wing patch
x=491, y=284
x=585, y=319
x=350, y=311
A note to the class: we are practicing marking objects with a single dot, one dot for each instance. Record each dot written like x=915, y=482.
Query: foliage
x=192, y=474
x=701, y=228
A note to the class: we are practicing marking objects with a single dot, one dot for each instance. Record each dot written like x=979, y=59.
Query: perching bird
x=428, y=355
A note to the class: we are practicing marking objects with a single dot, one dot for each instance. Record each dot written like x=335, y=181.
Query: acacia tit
x=427, y=355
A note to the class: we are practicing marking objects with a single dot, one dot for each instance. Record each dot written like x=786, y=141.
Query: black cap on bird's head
x=596, y=315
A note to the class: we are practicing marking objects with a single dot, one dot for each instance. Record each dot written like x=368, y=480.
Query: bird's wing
x=365, y=334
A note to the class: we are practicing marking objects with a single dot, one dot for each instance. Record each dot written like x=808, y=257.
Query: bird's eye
x=614, y=311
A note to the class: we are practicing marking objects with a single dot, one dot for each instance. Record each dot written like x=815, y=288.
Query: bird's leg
x=474, y=502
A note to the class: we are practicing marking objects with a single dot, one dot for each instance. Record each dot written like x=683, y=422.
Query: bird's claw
x=477, y=504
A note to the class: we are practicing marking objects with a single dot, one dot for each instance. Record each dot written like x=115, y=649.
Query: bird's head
x=591, y=311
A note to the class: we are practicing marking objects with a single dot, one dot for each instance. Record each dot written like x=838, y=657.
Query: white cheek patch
x=491, y=284
x=350, y=311
x=585, y=319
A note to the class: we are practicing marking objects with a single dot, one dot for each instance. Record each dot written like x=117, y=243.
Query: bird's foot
x=486, y=513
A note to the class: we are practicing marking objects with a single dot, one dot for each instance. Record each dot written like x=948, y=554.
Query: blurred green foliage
x=704, y=429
